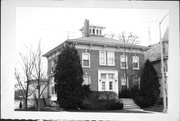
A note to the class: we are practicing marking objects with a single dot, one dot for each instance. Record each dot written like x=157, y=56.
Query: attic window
x=97, y=31
x=93, y=31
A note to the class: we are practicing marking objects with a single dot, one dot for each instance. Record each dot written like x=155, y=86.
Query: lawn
x=156, y=108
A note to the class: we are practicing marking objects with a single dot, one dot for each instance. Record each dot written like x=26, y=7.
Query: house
x=154, y=55
x=108, y=64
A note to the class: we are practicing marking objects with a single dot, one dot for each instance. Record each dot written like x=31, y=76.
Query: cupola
x=91, y=30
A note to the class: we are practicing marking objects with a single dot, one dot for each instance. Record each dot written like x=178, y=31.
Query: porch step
x=129, y=104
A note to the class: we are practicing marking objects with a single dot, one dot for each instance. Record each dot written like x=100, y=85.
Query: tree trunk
x=38, y=105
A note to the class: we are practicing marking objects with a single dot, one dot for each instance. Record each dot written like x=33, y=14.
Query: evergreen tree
x=149, y=86
x=69, y=78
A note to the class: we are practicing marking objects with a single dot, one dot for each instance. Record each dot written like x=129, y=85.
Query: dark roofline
x=109, y=44
x=54, y=49
x=120, y=44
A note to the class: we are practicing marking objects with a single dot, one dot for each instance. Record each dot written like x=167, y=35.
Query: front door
x=108, y=81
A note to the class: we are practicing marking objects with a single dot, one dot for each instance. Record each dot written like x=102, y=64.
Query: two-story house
x=108, y=64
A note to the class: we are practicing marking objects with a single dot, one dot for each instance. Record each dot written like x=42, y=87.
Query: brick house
x=108, y=64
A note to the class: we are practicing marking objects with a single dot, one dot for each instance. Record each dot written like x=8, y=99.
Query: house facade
x=108, y=64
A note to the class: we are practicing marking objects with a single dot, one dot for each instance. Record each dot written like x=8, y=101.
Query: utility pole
x=162, y=67
x=39, y=75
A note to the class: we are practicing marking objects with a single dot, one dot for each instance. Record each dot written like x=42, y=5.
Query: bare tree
x=39, y=74
x=32, y=71
x=129, y=38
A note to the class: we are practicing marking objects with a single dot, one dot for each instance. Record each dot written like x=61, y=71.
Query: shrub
x=103, y=95
x=129, y=93
x=159, y=101
x=69, y=78
x=102, y=101
x=102, y=105
x=149, y=86
x=114, y=105
x=86, y=90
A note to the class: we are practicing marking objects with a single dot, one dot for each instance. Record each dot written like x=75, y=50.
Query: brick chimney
x=86, y=28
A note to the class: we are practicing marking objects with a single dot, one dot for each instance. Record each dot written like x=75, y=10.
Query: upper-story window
x=124, y=82
x=107, y=56
x=93, y=31
x=85, y=59
x=124, y=62
x=135, y=62
x=110, y=58
x=53, y=66
x=102, y=57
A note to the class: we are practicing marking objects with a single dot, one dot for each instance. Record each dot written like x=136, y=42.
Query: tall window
x=111, y=58
x=87, y=80
x=124, y=82
x=102, y=57
x=136, y=82
x=85, y=59
x=93, y=31
x=135, y=62
x=124, y=62
x=52, y=86
x=53, y=66
x=103, y=85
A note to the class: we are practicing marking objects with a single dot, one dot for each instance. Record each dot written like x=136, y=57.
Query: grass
x=156, y=108
x=53, y=109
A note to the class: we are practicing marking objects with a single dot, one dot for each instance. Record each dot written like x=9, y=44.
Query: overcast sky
x=52, y=25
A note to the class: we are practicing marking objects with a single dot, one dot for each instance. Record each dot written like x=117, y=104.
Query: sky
x=51, y=26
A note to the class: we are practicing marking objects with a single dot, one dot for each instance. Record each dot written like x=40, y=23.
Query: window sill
x=108, y=65
x=86, y=67
x=136, y=69
x=124, y=68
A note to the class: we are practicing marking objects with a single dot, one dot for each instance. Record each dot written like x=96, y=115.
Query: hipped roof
x=98, y=41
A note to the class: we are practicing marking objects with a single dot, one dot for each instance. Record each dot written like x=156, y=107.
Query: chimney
x=86, y=28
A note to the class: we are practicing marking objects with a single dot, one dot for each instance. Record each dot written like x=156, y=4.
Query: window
x=103, y=76
x=102, y=57
x=85, y=60
x=52, y=86
x=53, y=64
x=93, y=31
x=124, y=62
x=110, y=58
x=97, y=31
x=124, y=82
x=111, y=76
x=87, y=80
x=103, y=85
x=135, y=63
x=136, y=82
x=110, y=85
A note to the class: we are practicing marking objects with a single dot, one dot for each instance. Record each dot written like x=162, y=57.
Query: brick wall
x=94, y=62
x=94, y=66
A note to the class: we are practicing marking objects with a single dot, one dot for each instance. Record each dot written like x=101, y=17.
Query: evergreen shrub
x=69, y=78
x=149, y=86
